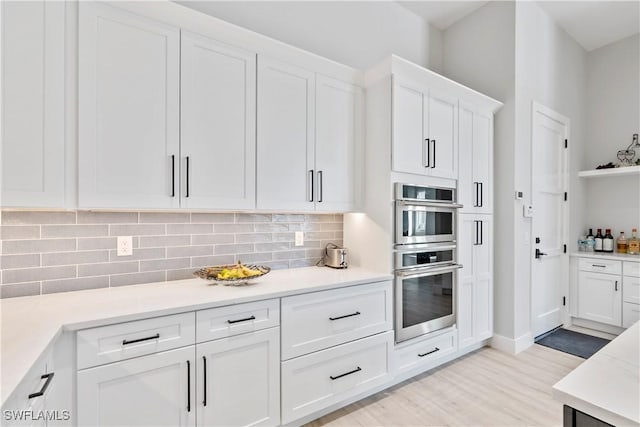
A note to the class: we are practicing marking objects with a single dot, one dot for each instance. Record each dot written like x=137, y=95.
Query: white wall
x=551, y=70
x=359, y=34
x=613, y=116
x=479, y=52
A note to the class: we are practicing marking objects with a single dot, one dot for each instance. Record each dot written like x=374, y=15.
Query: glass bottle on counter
x=621, y=243
x=598, y=239
x=590, y=235
x=607, y=241
x=633, y=245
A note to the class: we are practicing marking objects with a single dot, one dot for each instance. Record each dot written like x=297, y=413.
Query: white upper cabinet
x=218, y=107
x=475, y=182
x=443, y=136
x=339, y=108
x=286, y=132
x=33, y=82
x=128, y=109
x=425, y=131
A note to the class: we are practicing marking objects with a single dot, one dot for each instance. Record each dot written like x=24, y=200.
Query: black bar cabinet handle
x=616, y=286
x=429, y=352
x=434, y=154
x=358, y=369
x=319, y=186
x=428, y=153
x=188, y=386
x=246, y=319
x=481, y=194
x=357, y=313
x=481, y=233
x=204, y=380
x=310, y=189
x=477, y=237
x=155, y=337
x=598, y=265
x=48, y=377
x=475, y=202
x=173, y=175
x=187, y=194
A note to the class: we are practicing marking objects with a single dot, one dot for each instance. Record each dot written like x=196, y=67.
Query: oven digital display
x=427, y=193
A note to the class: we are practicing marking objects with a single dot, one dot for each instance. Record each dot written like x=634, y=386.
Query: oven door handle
x=425, y=248
x=429, y=204
x=408, y=274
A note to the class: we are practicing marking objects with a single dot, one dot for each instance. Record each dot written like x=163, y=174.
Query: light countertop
x=614, y=256
x=607, y=385
x=29, y=325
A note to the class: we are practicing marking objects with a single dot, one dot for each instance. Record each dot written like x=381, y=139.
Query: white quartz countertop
x=607, y=385
x=28, y=325
x=613, y=256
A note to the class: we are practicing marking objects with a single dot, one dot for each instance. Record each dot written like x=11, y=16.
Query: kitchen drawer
x=107, y=344
x=631, y=269
x=425, y=352
x=318, y=380
x=237, y=319
x=631, y=289
x=630, y=314
x=315, y=321
x=597, y=265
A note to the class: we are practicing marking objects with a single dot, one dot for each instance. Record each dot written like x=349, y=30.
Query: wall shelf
x=628, y=170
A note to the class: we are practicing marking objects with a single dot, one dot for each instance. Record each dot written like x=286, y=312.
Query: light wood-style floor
x=484, y=388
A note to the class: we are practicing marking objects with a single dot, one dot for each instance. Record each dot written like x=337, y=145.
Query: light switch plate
x=125, y=246
x=299, y=238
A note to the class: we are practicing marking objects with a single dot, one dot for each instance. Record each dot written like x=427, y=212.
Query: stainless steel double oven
x=425, y=259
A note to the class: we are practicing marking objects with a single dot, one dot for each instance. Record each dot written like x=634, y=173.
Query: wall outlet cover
x=299, y=240
x=125, y=246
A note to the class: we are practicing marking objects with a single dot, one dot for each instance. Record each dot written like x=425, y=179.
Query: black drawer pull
x=357, y=313
x=242, y=320
x=48, y=378
x=598, y=265
x=204, y=380
x=155, y=337
x=428, y=352
x=188, y=386
x=358, y=369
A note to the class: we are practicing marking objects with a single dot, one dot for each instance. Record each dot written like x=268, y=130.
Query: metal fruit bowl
x=211, y=274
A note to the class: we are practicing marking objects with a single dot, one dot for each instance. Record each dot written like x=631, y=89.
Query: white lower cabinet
x=424, y=353
x=239, y=380
x=600, y=297
x=158, y=390
x=324, y=378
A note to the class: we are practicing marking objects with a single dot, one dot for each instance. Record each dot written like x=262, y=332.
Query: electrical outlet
x=125, y=246
x=299, y=238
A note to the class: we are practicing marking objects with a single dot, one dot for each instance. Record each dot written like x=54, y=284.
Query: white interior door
x=549, y=183
x=218, y=86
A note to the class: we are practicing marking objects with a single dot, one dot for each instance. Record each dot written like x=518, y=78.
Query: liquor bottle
x=621, y=243
x=590, y=235
x=598, y=240
x=633, y=246
x=607, y=242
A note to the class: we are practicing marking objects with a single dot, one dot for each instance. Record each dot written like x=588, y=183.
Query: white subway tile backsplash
x=48, y=252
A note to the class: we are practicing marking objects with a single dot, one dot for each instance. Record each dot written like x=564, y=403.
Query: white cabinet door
x=475, y=179
x=239, y=380
x=410, y=150
x=158, y=390
x=443, y=136
x=600, y=297
x=218, y=96
x=475, y=279
x=339, y=111
x=129, y=68
x=33, y=149
x=286, y=121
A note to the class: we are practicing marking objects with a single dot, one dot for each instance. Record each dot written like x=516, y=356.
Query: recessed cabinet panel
x=600, y=297
x=483, y=162
x=128, y=109
x=410, y=149
x=338, y=143
x=33, y=149
x=218, y=95
x=286, y=129
x=443, y=136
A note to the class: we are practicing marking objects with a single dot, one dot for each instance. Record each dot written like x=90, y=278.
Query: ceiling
x=593, y=24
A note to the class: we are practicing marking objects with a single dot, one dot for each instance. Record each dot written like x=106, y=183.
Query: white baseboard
x=511, y=345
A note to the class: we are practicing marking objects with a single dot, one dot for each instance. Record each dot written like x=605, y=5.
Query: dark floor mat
x=571, y=342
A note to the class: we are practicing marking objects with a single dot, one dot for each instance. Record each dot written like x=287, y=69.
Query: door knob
x=539, y=253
